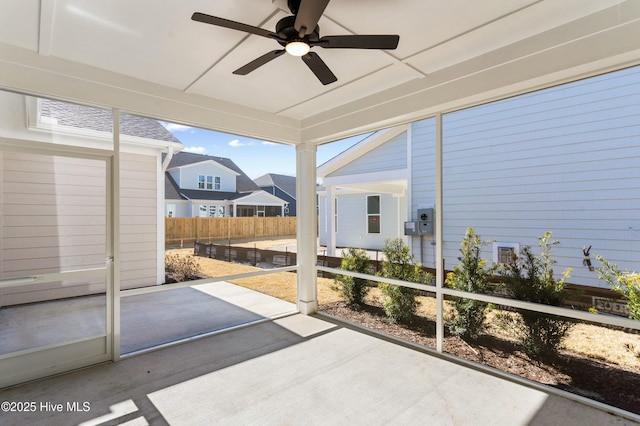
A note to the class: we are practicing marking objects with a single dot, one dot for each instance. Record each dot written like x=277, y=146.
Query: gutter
x=167, y=159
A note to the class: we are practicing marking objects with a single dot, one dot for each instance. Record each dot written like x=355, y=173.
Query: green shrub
x=182, y=268
x=530, y=278
x=624, y=282
x=471, y=275
x=353, y=289
x=400, y=302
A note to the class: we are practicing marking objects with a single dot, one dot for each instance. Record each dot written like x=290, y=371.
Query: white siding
x=138, y=221
x=53, y=219
x=189, y=176
x=352, y=221
x=391, y=155
x=563, y=160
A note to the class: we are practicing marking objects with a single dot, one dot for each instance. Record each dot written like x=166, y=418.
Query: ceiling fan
x=298, y=34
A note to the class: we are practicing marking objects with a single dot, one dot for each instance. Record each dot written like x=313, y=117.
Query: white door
x=55, y=265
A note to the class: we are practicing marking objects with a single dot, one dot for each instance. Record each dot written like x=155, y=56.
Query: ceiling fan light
x=297, y=48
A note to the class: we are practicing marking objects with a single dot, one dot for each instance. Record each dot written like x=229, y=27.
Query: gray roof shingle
x=86, y=117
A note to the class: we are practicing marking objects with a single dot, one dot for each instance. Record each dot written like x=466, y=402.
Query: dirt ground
x=597, y=362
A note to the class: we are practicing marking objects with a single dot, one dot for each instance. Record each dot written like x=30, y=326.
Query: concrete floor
x=296, y=370
x=146, y=320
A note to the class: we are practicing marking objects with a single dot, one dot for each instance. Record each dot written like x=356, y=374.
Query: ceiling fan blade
x=226, y=23
x=308, y=15
x=319, y=68
x=359, y=42
x=256, y=63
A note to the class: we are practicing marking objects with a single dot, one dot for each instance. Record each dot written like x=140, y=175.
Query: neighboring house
x=281, y=186
x=55, y=205
x=207, y=186
x=564, y=160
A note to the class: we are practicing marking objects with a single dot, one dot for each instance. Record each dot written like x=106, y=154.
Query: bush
x=400, y=302
x=626, y=283
x=353, y=289
x=530, y=278
x=182, y=268
x=471, y=275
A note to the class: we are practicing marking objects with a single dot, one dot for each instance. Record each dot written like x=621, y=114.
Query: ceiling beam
x=45, y=30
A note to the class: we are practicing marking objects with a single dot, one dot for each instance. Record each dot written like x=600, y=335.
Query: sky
x=255, y=157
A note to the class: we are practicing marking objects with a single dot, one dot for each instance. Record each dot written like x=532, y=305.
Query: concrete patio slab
x=296, y=370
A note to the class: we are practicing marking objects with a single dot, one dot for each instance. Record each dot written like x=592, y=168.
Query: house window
x=373, y=214
x=505, y=252
x=209, y=182
x=202, y=211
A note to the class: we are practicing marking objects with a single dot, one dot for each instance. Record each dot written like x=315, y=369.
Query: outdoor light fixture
x=297, y=48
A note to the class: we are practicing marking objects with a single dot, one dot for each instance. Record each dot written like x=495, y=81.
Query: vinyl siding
x=352, y=221
x=391, y=155
x=138, y=222
x=188, y=176
x=563, y=160
x=54, y=219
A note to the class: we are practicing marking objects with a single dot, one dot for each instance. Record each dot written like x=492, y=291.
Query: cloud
x=237, y=144
x=196, y=150
x=268, y=143
x=173, y=127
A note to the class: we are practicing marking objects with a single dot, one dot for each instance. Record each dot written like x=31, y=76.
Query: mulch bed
x=604, y=382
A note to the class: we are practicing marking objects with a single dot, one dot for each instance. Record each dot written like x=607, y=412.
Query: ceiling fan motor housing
x=285, y=28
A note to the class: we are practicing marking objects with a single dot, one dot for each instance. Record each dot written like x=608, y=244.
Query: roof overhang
x=464, y=56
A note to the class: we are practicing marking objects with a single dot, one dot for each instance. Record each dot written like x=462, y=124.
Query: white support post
x=439, y=238
x=114, y=243
x=307, y=229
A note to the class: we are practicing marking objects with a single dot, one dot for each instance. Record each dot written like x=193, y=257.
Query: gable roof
x=99, y=119
x=368, y=144
x=243, y=182
x=284, y=182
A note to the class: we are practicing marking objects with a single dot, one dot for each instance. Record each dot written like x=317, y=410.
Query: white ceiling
x=149, y=57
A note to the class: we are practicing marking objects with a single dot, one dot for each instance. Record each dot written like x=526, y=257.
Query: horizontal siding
x=139, y=221
x=54, y=219
x=563, y=160
x=391, y=155
x=352, y=221
x=53, y=214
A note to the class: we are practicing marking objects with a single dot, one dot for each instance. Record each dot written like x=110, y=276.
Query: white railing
x=609, y=320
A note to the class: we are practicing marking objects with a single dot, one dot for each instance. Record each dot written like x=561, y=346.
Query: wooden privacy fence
x=187, y=230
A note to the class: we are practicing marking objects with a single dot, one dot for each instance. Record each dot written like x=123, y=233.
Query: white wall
x=563, y=160
x=392, y=155
x=352, y=220
x=52, y=211
x=138, y=221
x=188, y=178
x=54, y=220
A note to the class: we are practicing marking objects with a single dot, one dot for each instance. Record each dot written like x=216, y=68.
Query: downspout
x=167, y=159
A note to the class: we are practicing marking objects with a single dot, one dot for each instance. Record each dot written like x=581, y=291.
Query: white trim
x=205, y=162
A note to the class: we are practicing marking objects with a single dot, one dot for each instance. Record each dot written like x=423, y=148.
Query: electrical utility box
x=422, y=226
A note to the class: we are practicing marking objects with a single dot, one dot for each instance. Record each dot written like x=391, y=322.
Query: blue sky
x=254, y=157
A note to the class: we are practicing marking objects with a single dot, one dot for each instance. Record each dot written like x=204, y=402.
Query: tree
x=530, y=278
x=624, y=282
x=400, y=302
x=351, y=288
x=473, y=276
